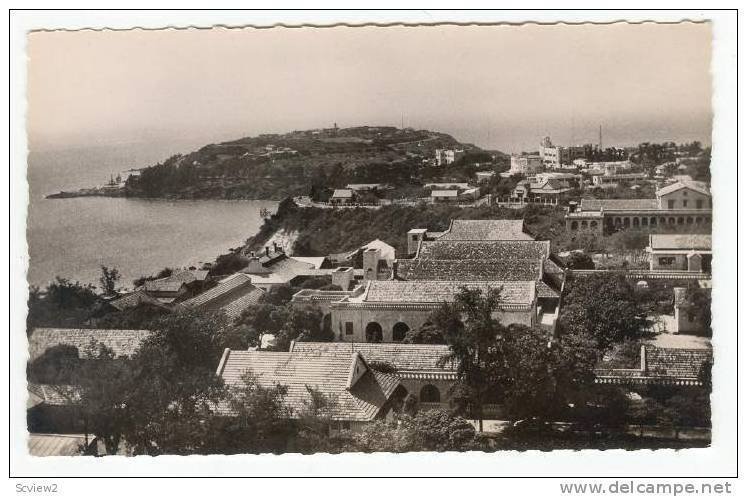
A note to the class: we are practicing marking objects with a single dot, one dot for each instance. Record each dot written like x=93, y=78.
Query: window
x=414, y=238
x=348, y=328
x=430, y=393
x=699, y=204
x=670, y=204
x=684, y=194
x=684, y=202
x=666, y=261
x=345, y=425
x=399, y=331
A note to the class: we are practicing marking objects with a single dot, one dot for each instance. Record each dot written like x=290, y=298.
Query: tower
x=600, y=137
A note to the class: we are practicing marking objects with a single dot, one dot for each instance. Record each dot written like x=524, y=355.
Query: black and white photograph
x=322, y=241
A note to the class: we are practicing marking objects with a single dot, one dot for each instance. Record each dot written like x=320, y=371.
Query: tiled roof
x=328, y=373
x=425, y=291
x=122, y=342
x=223, y=290
x=628, y=204
x=697, y=186
x=234, y=308
x=486, y=229
x=681, y=242
x=47, y=444
x=497, y=249
x=544, y=290
x=404, y=357
x=163, y=285
x=134, y=299
x=54, y=395
x=469, y=269
x=676, y=363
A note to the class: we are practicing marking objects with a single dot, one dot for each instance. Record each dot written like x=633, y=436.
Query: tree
x=603, y=307
x=257, y=421
x=580, y=260
x=61, y=303
x=545, y=375
x=475, y=340
x=108, y=280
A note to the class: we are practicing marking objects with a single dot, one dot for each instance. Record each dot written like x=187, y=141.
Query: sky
x=499, y=87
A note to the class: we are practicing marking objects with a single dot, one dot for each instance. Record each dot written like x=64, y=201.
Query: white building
x=525, y=164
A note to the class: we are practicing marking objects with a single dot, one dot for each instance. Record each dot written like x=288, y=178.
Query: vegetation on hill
x=305, y=163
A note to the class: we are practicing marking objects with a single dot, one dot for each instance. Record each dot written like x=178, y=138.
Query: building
x=422, y=369
x=480, y=254
x=662, y=366
x=686, y=321
x=359, y=394
x=386, y=310
x=447, y=186
x=525, y=164
x=342, y=196
x=444, y=157
x=178, y=286
x=682, y=204
x=680, y=252
x=232, y=295
x=544, y=191
x=612, y=180
x=441, y=196
x=366, y=187
x=551, y=155
x=482, y=176
x=51, y=407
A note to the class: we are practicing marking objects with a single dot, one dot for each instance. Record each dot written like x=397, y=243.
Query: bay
x=74, y=237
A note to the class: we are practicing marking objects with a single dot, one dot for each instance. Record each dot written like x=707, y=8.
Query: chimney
x=267, y=251
x=275, y=246
x=255, y=267
x=371, y=258
x=395, y=266
x=342, y=277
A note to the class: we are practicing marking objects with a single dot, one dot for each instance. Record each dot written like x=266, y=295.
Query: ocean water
x=74, y=237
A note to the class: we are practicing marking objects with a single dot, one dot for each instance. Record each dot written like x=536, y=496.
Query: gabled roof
x=473, y=249
x=121, y=342
x=48, y=444
x=680, y=242
x=697, y=186
x=163, y=285
x=329, y=373
x=408, y=359
x=134, y=299
x=386, y=250
x=436, y=292
x=486, y=229
x=224, y=289
x=469, y=269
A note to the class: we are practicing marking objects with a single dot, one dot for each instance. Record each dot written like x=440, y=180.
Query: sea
x=73, y=237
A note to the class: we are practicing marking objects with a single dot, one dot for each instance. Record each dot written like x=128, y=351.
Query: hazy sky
x=500, y=87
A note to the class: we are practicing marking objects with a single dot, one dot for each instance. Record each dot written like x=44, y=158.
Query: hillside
x=281, y=165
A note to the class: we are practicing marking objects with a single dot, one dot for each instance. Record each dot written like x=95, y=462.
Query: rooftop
x=469, y=269
x=487, y=229
x=333, y=374
x=680, y=242
x=628, y=204
x=121, y=342
x=226, y=293
x=435, y=292
x=473, y=249
x=444, y=193
x=343, y=193
x=404, y=357
x=697, y=186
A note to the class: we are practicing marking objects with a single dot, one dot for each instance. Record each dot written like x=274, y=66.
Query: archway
x=399, y=331
x=574, y=225
x=374, y=333
x=636, y=222
x=430, y=393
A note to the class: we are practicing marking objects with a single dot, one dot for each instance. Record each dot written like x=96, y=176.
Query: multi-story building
x=525, y=164
x=683, y=204
x=444, y=157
